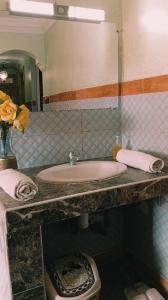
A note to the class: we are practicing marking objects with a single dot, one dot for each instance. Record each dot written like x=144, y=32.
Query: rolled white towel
x=140, y=160
x=154, y=294
x=17, y=185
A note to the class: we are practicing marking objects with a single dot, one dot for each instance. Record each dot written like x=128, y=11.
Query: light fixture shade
x=31, y=7
x=3, y=75
x=45, y=9
x=86, y=13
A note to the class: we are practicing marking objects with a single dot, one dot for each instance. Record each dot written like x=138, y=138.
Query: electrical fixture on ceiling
x=50, y=10
x=3, y=73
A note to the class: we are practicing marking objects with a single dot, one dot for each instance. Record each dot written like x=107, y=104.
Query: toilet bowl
x=87, y=290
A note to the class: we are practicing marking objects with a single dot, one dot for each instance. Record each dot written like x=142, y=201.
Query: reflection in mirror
x=81, y=64
x=59, y=64
x=22, y=81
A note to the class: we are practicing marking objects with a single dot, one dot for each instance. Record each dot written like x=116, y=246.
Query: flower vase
x=7, y=158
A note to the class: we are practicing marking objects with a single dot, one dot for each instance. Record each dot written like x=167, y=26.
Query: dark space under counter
x=56, y=202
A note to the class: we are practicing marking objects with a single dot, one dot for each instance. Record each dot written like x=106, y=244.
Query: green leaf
x=1, y=101
x=18, y=111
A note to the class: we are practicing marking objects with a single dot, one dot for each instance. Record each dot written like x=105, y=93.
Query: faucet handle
x=73, y=157
x=71, y=154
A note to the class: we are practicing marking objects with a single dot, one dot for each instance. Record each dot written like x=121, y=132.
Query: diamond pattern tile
x=100, y=119
x=98, y=143
x=52, y=135
x=53, y=122
x=45, y=149
x=144, y=122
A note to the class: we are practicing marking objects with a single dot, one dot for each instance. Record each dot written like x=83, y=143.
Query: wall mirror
x=60, y=64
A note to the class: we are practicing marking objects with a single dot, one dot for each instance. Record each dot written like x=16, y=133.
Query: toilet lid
x=71, y=275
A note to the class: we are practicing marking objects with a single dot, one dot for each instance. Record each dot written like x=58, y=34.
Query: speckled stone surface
x=49, y=192
x=35, y=294
x=56, y=202
x=25, y=249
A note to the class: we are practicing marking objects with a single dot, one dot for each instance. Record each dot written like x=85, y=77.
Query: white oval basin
x=82, y=171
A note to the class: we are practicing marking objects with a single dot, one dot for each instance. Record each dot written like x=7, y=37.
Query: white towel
x=154, y=294
x=140, y=160
x=17, y=185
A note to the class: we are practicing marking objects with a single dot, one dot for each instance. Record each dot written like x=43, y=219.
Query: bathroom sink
x=82, y=172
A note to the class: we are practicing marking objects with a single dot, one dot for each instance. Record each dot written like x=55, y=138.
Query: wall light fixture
x=45, y=9
x=3, y=74
x=31, y=7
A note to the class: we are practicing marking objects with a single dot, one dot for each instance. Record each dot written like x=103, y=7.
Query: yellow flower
x=4, y=96
x=8, y=111
x=21, y=122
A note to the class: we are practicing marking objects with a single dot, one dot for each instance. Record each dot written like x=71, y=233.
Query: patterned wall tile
x=98, y=143
x=52, y=122
x=100, y=119
x=46, y=149
x=149, y=141
x=145, y=122
x=52, y=135
x=145, y=111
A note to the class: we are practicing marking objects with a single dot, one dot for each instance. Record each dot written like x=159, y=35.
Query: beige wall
x=80, y=55
x=3, y=5
x=145, y=42
x=31, y=43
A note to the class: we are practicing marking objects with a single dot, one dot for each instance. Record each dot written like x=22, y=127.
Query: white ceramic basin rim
x=82, y=172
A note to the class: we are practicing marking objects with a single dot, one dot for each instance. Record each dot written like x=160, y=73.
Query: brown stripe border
x=141, y=86
x=147, y=85
x=109, y=90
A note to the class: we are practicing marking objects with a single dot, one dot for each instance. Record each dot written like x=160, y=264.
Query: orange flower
x=4, y=97
x=21, y=121
x=8, y=111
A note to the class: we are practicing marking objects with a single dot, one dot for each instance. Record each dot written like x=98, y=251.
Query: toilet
x=72, y=277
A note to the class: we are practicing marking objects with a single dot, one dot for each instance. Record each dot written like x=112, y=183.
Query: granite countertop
x=52, y=193
x=26, y=221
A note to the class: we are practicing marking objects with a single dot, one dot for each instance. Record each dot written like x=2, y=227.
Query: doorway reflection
x=24, y=80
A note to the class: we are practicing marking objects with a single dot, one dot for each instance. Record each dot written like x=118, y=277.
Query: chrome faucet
x=73, y=158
